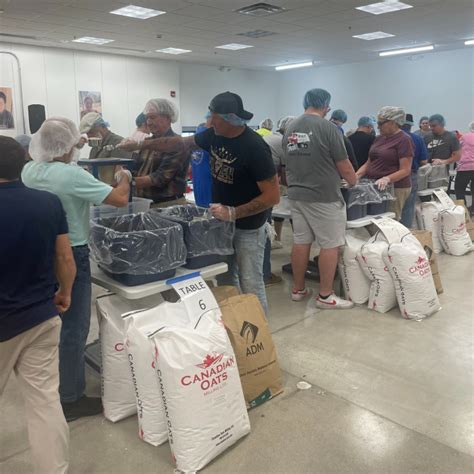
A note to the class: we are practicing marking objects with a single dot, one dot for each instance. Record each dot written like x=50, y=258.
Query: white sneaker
x=276, y=244
x=333, y=302
x=300, y=295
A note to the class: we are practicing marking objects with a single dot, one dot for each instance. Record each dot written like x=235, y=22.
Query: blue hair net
x=339, y=115
x=438, y=118
x=140, y=120
x=366, y=122
x=317, y=98
x=23, y=140
x=231, y=118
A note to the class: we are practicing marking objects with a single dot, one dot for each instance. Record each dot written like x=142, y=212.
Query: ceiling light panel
x=469, y=42
x=407, y=50
x=234, y=46
x=373, y=36
x=92, y=40
x=261, y=9
x=173, y=51
x=384, y=7
x=134, y=11
x=293, y=66
x=257, y=34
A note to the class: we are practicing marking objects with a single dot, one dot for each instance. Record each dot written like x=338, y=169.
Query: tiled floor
x=387, y=396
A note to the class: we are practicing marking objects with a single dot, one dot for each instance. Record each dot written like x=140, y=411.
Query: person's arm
x=168, y=167
x=455, y=156
x=65, y=269
x=283, y=179
x=423, y=152
x=163, y=144
x=269, y=197
x=346, y=171
x=403, y=172
x=362, y=171
x=118, y=197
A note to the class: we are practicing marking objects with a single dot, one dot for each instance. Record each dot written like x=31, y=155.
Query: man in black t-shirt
x=362, y=139
x=37, y=271
x=244, y=184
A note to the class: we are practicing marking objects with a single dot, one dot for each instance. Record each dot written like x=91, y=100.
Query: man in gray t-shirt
x=315, y=160
x=443, y=146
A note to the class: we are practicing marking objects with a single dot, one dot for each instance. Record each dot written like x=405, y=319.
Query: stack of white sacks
x=446, y=222
x=391, y=267
x=387, y=269
x=174, y=366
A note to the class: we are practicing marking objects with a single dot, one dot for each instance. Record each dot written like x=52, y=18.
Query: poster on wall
x=90, y=101
x=7, y=121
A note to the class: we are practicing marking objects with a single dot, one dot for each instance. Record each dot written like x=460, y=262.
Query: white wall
x=432, y=83
x=53, y=77
x=199, y=84
x=436, y=82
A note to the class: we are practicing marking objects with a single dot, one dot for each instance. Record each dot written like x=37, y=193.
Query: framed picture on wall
x=7, y=121
x=90, y=101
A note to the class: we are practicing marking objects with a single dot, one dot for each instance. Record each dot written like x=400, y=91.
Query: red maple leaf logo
x=210, y=360
x=421, y=260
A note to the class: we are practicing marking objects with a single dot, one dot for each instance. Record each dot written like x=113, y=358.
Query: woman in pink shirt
x=465, y=169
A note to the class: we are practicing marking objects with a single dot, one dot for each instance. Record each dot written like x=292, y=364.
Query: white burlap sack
x=201, y=390
x=428, y=219
x=118, y=396
x=382, y=297
x=152, y=425
x=453, y=233
x=354, y=280
x=410, y=269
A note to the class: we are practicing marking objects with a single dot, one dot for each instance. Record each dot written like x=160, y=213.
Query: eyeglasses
x=382, y=123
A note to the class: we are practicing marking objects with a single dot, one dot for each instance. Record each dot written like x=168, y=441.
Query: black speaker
x=36, y=116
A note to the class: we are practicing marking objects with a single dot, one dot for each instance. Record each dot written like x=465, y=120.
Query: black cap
x=229, y=103
x=409, y=119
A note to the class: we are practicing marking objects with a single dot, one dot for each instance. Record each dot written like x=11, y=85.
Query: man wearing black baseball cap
x=244, y=184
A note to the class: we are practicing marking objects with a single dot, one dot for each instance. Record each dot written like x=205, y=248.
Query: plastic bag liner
x=423, y=175
x=204, y=235
x=366, y=192
x=137, y=245
x=438, y=176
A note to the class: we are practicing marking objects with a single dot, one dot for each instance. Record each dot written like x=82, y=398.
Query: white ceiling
x=317, y=30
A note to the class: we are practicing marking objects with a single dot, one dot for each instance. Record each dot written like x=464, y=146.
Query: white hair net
x=162, y=107
x=267, y=123
x=91, y=120
x=471, y=127
x=284, y=122
x=390, y=112
x=56, y=137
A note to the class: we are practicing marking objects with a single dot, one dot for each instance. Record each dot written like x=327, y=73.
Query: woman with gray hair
x=390, y=157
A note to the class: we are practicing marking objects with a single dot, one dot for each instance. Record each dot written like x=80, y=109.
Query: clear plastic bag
x=423, y=176
x=203, y=234
x=137, y=244
x=438, y=176
x=362, y=193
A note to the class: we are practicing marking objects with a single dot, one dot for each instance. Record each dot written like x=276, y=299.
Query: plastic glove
x=382, y=183
x=123, y=172
x=129, y=145
x=223, y=213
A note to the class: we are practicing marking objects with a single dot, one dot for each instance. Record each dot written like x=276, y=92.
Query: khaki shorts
x=401, y=194
x=321, y=222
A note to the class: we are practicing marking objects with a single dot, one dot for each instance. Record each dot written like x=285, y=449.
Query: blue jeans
x=408, y=212
x=74, y=331
x=246, y=264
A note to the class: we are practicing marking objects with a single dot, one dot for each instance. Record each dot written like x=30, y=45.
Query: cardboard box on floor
x=255, y=352
x=221, y=293
x=426, y=240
